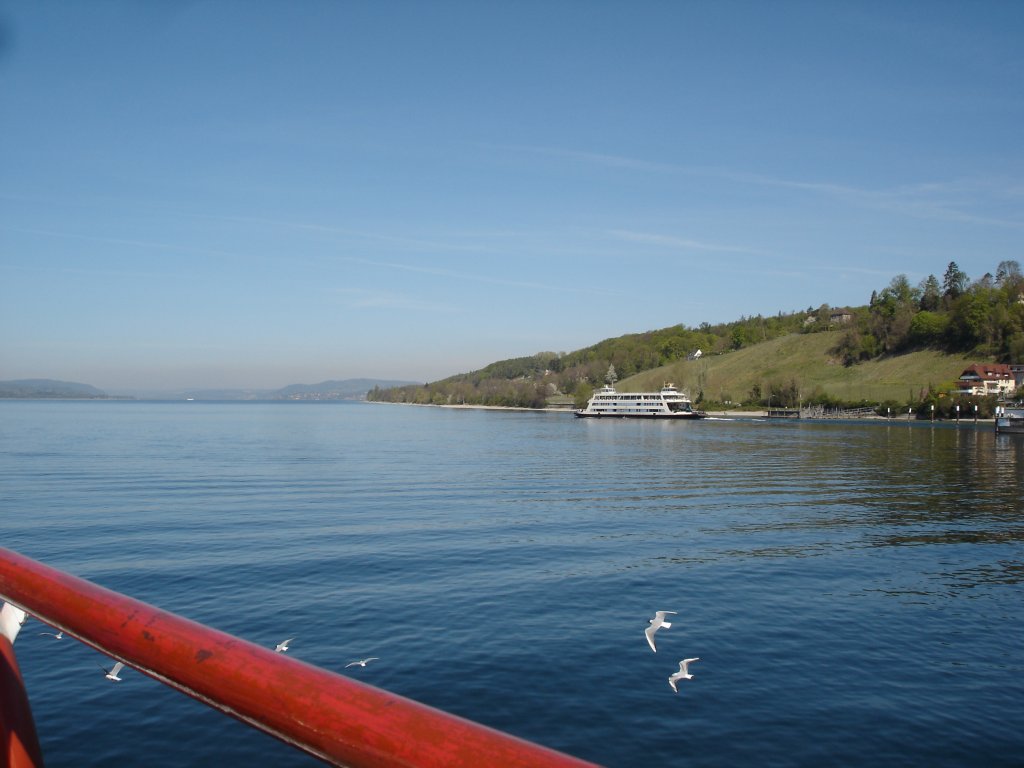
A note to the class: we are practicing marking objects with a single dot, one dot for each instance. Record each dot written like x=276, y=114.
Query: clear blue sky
x=257, y=194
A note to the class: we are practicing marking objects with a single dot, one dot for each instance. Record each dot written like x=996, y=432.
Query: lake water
x=853, y=590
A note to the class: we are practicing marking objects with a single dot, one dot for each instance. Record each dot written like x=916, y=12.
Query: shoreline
x=715, y=414
x=462, y=406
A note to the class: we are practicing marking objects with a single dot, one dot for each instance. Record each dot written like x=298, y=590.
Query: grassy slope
x=805, y=358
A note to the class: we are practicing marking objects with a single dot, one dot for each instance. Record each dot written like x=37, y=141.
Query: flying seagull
x=58, y=636
x=282, y=647
x=361, y=662
x=113, y=671
x=682, y=674
x=658, y=622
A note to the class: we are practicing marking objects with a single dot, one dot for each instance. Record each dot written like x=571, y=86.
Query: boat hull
x=1011, y=422
x=688, y=416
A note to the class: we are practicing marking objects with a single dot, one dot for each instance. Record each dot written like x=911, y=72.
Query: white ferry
x=670, y=403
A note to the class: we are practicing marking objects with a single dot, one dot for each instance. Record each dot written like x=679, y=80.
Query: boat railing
x=332, y=717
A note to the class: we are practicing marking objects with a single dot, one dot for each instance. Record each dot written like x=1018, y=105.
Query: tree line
x=985, y=316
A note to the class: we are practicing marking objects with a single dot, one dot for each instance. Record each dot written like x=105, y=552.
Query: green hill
x=807, y=361
x=796, y=367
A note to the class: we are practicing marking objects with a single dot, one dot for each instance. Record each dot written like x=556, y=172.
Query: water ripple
x=875, y=570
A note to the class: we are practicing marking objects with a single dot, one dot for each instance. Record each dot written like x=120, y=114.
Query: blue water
x=853, y=591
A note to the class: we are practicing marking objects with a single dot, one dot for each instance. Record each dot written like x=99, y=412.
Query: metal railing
x=332, y=717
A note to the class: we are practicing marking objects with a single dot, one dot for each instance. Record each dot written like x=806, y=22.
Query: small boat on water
x=1010, y=419
x=669, y=403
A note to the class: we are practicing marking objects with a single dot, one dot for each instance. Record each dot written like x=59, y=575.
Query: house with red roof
x=987, y=379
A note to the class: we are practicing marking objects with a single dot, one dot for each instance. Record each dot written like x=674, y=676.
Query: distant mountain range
x=49, y=388
x=347, y=389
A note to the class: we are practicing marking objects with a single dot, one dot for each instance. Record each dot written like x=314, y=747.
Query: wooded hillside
x=860, y=353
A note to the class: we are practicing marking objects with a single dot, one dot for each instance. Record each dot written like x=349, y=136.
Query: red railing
x=19, y=747
x=328, y=715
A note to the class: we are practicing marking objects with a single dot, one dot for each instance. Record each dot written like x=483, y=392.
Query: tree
x=785, y=395
x=1015, y=345
x=971, y=319
x=928, y=329
x=890, y=315
x=1008, y=272
x=900, y=290
x=954, y=282
x=583, y=393
x=857, y=344
x=611, y=377
x=931, y=293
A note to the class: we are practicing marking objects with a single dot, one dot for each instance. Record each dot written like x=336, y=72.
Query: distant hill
x=49, y=388
x=346, y=389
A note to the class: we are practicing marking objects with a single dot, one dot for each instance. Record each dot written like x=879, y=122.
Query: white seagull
x=113, y=671
x=682, y=674
x=282, y=647
x=361, y=662
x=58, y=636
x=658, y=622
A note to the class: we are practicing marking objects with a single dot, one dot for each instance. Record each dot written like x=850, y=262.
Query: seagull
x=58, y=636
x=361, y=662
x=658, y=622
x=682, y=674
x=282, y=647
x=113, y=671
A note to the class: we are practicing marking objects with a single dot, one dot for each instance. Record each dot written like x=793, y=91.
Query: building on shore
x=981, y=379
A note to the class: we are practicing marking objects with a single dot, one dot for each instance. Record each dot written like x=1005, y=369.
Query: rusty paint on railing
x=330, y=716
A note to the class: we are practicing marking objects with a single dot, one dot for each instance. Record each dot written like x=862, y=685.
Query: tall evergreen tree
x=954, y=282
x=931, y=293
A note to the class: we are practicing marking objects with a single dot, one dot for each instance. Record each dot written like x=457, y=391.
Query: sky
x=256, y=194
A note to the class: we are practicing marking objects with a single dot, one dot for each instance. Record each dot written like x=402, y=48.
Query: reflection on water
x=804, y=490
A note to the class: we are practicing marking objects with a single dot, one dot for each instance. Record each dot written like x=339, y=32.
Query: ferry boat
x=1011, y=419
x=669, y=403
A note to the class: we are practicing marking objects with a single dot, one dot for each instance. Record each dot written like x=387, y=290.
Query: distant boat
x=190, y=398
x=669, y=403
x=1010, y=420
